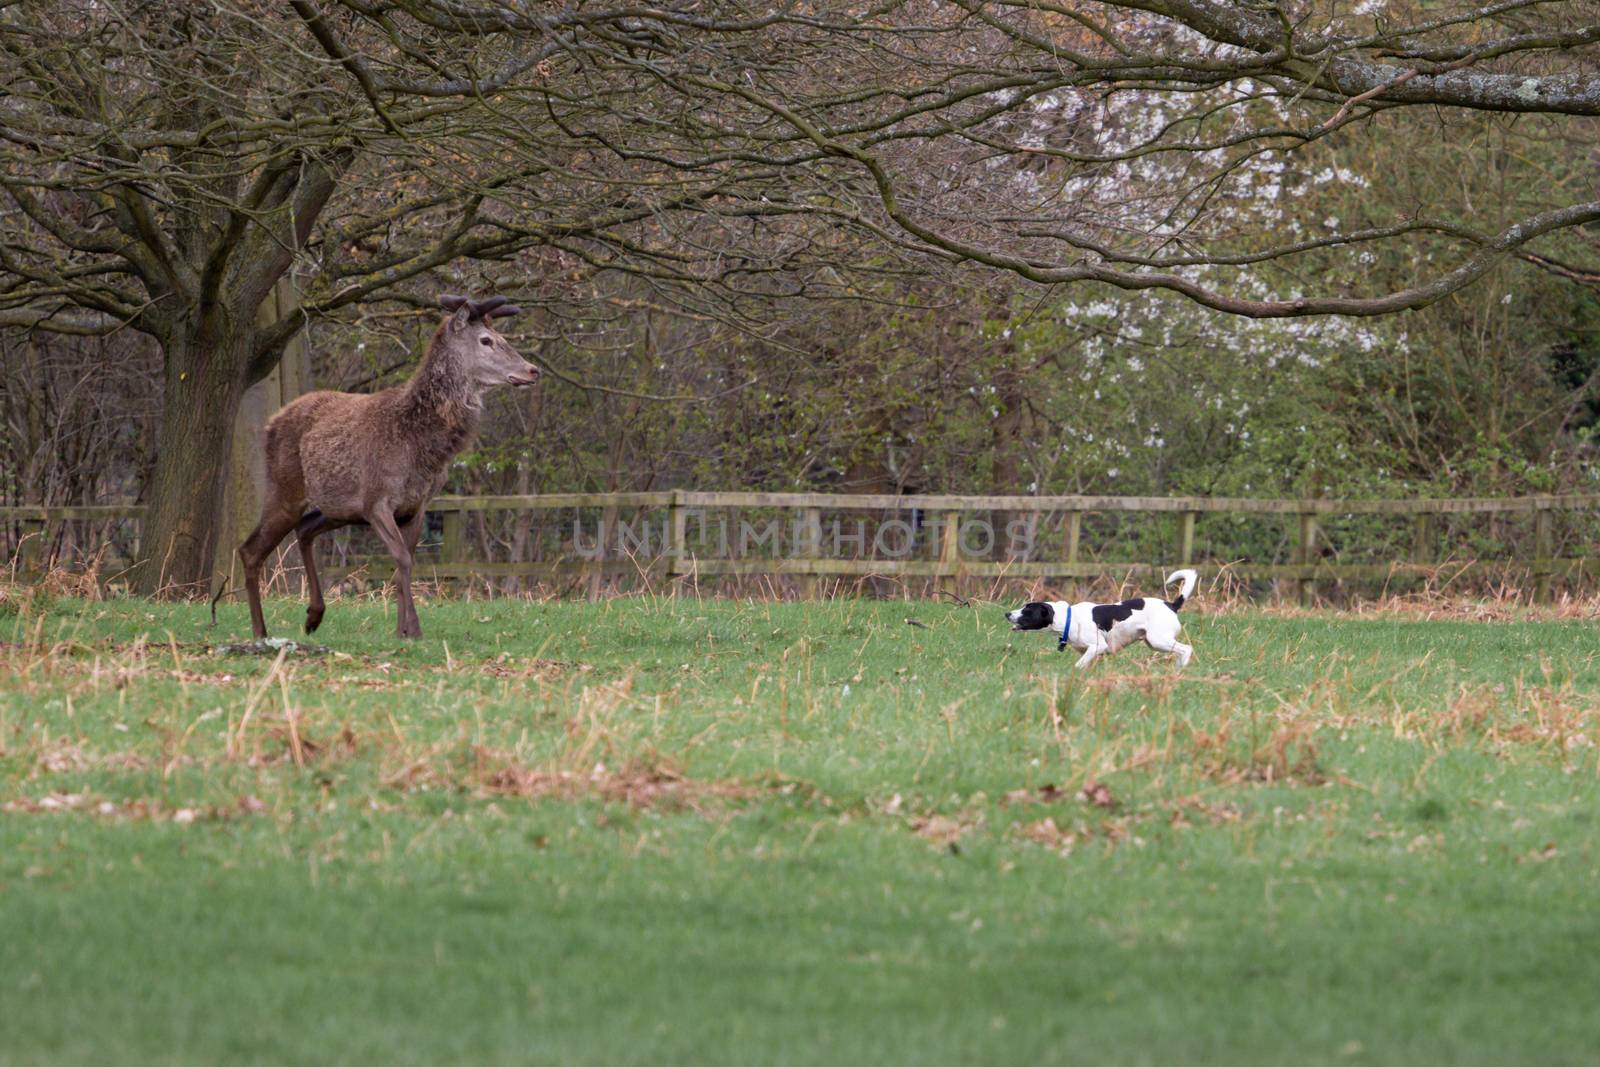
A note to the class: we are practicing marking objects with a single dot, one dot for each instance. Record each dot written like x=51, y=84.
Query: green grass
x=661, y=831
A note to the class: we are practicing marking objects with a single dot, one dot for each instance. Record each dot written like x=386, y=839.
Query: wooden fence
x=648, y=536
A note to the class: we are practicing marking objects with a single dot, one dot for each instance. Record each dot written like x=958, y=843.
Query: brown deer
x=341, y=459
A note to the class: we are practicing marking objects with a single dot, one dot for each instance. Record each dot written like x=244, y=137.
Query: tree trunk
x=205, y=377
x=244, y=481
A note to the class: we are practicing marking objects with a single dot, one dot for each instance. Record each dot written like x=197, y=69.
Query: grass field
x=672, y=831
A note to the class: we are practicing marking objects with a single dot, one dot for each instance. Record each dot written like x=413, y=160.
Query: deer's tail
x=221, y=589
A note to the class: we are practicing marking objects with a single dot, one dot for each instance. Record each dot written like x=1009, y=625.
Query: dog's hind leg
x=1170, y=643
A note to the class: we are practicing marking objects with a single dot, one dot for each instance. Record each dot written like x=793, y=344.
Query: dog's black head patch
x=1034, y=616
x=1108, y=615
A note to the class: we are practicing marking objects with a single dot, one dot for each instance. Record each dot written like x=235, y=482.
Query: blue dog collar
x=1065, y=630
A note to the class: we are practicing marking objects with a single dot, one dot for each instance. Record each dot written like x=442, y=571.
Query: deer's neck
x=442, y=409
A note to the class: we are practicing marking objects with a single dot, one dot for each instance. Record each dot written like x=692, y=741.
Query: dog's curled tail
x=1189, y=578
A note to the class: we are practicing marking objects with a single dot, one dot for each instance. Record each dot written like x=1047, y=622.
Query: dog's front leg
x=1088, y=657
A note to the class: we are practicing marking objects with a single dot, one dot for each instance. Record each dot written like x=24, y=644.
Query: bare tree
x=1087, y=141
x=162, y=172
x=164, y=164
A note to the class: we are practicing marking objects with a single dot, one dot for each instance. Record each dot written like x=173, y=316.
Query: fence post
x=1422, y=538
x=1541, y=555
x=677, y=546
x=1307, y=554
x=453, y=547
x=950, y=551
x=31, y=547
x=1186, y=537
x=810, y=547
x=597, y=566
x=1071, y=527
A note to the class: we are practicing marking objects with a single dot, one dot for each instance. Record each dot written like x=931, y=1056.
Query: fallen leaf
x=1097, y=794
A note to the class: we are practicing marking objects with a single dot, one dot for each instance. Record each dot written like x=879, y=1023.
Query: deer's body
x=336, y=459
x=343, y=453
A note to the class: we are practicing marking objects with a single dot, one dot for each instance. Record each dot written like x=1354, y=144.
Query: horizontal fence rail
x=939, y=540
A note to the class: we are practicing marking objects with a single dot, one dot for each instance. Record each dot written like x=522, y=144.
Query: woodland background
x=726, y=298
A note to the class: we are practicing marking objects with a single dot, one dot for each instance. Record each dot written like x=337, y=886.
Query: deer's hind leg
x=276, y=522
x=312, y=524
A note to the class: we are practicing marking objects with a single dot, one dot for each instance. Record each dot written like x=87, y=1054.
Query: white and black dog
x=1100, y=629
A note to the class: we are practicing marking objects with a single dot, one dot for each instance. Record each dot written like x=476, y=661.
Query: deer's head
x=481, y=355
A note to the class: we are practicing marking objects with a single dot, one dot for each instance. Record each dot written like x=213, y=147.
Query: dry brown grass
x=81, y=580
x=142, y=809
x=537, y=670
x=641, y=783
x=1274, y=751
x=1496, y=601
x=602, y=755
x=1444, y=593
x=1065, y=836
x=603, y=752
x=1551, y=719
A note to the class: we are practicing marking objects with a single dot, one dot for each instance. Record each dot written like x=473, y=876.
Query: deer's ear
x=459, y=320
